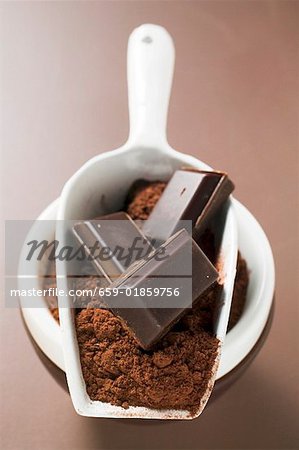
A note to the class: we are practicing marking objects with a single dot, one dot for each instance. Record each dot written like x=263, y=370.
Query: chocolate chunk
x=191, y=194
x=141, y=300
x=112, y=243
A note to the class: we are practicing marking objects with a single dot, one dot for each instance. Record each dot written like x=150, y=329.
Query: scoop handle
x=150, y=63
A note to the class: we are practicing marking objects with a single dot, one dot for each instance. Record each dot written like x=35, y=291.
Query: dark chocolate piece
x=171, y=266
x=111, y=246
x=191, y=194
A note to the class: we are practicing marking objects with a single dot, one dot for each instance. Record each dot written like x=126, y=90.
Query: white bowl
x=254, y=247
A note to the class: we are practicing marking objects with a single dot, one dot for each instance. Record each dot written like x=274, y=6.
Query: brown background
x=235, y=105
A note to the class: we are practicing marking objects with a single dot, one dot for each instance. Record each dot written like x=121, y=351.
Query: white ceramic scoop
x=100, y=187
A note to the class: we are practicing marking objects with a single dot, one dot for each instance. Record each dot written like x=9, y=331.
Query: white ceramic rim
x=239, y=341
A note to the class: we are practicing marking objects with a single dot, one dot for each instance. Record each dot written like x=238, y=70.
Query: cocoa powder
x=176, y=372
x=239, y=294
x=116, y=370
x=142, y=197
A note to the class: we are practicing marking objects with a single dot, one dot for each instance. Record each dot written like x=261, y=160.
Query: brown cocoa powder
x=239, y=294
x=176, y=372
x=142, y=197
x=118, y=371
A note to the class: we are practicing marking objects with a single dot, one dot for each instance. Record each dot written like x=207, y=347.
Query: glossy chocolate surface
x=190, y=195
x=184, y=267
